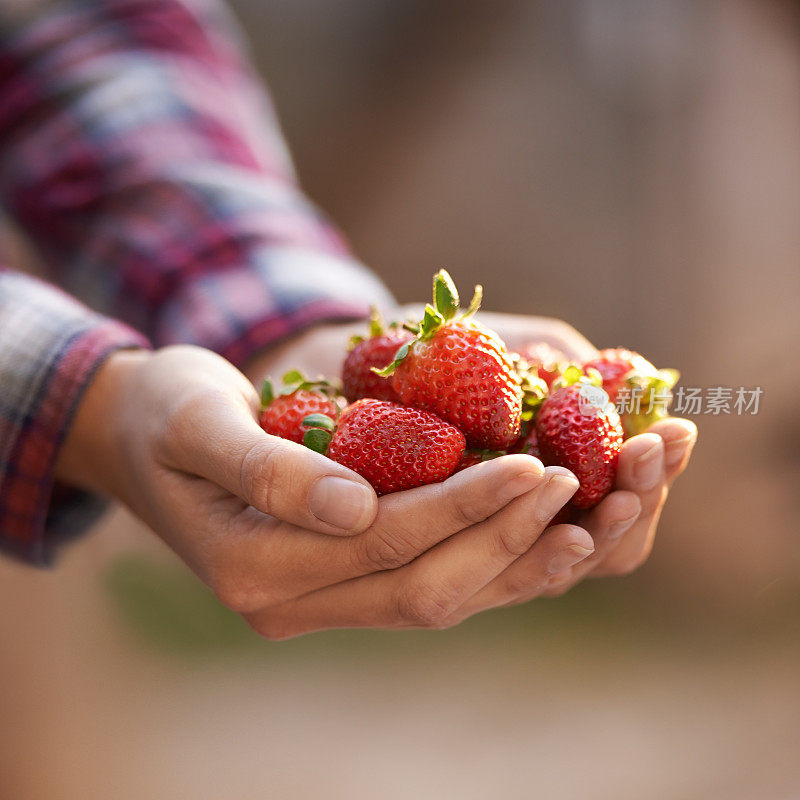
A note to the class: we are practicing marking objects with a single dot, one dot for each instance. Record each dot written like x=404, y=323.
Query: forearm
x=149, y=169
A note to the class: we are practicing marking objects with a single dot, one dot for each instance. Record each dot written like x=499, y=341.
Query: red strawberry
x=461, y=371
x=579, y=429
x=378, y=350
x=547, y=362
x=394, y=447
x=641, y=392
x=614, y=364
x=469, y=459
x=566, y=513
x=527, y=444
x=473, y=457
x=283, y=415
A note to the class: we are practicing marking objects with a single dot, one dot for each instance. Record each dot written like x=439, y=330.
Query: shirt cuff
x=45, y=375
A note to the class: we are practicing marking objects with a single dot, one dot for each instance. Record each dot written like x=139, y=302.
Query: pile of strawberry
x=430, y=398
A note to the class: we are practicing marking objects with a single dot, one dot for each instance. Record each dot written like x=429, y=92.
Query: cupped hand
x=623, y=525
x=281, y=534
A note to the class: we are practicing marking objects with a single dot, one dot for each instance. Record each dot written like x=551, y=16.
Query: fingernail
x=559, y=489
x=647, y=467
x=567, y=558
x=677, y=449
x=339, y=502
x=616, y=529
x=517, y=486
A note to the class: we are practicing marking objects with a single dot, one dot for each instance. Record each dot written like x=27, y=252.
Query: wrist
x=90, y=456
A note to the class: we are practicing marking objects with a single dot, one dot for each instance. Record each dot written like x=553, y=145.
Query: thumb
x=219, y=440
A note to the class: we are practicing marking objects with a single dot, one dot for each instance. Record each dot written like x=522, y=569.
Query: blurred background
x=631, y=167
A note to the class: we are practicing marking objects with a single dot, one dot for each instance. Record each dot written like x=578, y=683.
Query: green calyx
x=293, y=381
x=443, y=310
x=489, y=455
x=320, y=433
x=534, y=392
x=653, y=392
x=377, y=328
x=534, y=389
x=574, y=374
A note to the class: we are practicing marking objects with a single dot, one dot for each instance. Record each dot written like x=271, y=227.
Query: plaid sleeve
x=140, y=155
x=50, y=346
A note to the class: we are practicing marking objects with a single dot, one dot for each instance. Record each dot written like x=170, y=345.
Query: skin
x=247, y=511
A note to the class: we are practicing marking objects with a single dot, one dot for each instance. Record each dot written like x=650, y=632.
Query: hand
x=288, y=538
x=623, y=525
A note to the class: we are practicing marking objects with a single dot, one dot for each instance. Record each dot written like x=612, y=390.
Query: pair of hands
x=296, y=543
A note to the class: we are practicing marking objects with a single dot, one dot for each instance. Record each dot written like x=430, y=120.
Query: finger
x=218, y=438
x=625, y=542
x=409, y=523
x=258, y=562
x=679, y=436
x=641, y=470
x=427, y=591
x=608, y=523
x=556, y=550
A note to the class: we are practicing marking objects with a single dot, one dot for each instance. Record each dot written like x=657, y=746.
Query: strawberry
x=469, y=459
x=547, y=362
x=578, y=428
x=283, y=414
x=527, y=444
x=614, y=364
x=376, y=350
x=641, y=392
x=394, y=447
x=567, y=513
x=473, y=457
x=461, y=371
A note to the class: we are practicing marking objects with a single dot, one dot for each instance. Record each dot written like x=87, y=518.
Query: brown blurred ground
x=631, y=167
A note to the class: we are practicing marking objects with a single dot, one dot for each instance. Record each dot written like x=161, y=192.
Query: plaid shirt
x=140, y=157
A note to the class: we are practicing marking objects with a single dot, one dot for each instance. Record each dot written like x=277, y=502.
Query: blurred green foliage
x=168, y=610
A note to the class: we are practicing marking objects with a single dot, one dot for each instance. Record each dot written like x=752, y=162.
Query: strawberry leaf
x=293, y=376
x=401, y=353
x=431, y=322
x=475, y=303
x=267, y=393
x=375, y=323
x=445, y=295
x=317, y=440
x=322, y=421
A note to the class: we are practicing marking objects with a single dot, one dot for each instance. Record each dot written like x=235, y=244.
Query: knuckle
x=465, y=510
x=259, y=473
x=510, y=545
x=424, y=607
x=520, y=585
x=272, y=628
x=239, y=592
x=382, y=552
x=235, y=596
